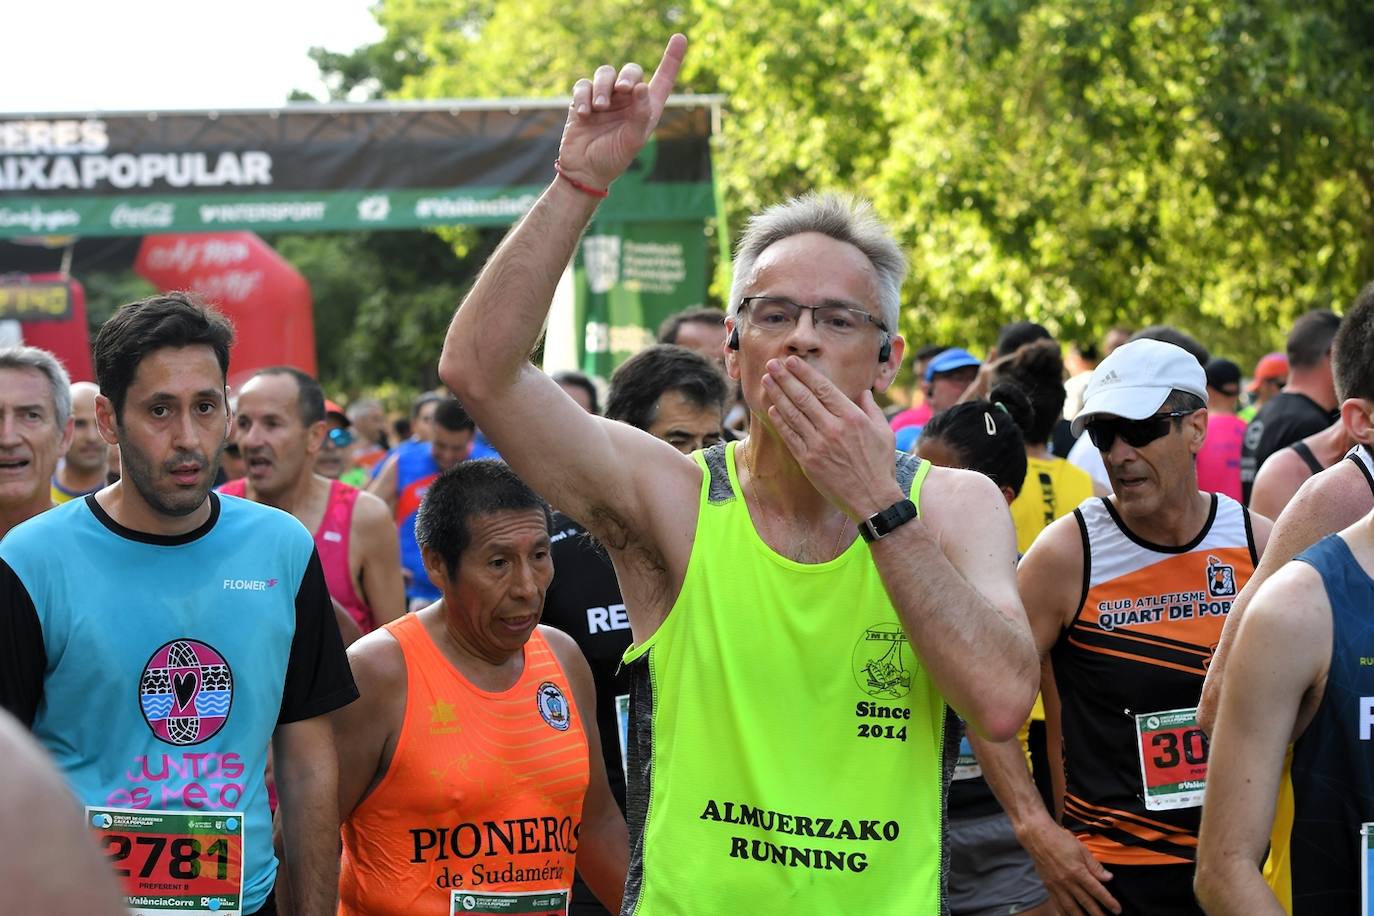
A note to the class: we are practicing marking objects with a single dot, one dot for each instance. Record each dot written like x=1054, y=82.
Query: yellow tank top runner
x=788, y=752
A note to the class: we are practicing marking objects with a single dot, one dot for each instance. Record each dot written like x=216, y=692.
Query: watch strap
x=881, y=524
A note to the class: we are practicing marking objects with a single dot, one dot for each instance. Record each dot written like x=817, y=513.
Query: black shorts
x=1150, y=890
x=269, y=906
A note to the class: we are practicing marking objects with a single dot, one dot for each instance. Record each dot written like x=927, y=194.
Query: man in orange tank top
x=1126, y=598
x=471, y=774
x=280, y=424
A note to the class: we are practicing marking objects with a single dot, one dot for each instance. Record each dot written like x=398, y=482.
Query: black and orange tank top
x=484, y=792
x=1129, y=670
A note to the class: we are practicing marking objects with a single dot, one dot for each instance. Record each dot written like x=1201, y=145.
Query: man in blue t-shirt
x=156, y=637
x=404, y=478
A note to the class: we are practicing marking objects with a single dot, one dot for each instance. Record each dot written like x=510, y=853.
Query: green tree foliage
x=1084, y=163
x=383, y=301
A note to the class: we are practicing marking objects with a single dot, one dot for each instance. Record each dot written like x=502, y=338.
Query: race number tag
x=174, y=860
x=540, y=903
x=1173, y=759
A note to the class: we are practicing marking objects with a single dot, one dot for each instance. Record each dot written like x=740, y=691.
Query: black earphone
x=884, y=352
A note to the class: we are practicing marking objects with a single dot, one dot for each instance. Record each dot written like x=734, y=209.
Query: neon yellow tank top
x=788, y=753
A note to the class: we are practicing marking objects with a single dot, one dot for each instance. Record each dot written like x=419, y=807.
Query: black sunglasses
x=1135, y=433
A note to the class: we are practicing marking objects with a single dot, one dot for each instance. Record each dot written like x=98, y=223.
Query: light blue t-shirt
x=168, y=658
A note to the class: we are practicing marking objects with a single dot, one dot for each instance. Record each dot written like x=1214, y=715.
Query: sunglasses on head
x=1135, y=433
x=340, y=438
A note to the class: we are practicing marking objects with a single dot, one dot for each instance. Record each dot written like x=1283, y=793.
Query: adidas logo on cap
x=1111, y=378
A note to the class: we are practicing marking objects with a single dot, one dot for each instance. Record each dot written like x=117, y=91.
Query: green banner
x=312, y=168
x=321, y=211
x=630, y=276
x=318, y=167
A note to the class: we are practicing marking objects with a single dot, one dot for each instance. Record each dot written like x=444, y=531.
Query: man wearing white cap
x=1126, y=599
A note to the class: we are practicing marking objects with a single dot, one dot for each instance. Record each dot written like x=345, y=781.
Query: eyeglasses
x=340, y=438
x=1135, y=433
x=775, y=314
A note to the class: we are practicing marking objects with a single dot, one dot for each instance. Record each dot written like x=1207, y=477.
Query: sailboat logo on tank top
x=883, y=664
x=185, y=692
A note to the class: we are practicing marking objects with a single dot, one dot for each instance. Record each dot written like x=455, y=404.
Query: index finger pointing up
x=666, y=74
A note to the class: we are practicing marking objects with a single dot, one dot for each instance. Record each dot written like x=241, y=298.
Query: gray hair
x=355, y=408
x=44, y=362
x=839, y=216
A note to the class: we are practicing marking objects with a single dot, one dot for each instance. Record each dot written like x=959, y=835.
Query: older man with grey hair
x=35, y=429
x=797, y=618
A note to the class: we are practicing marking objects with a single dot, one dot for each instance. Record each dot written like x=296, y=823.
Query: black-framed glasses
x=340, y=437
x=1135, y=433
x=775, y=314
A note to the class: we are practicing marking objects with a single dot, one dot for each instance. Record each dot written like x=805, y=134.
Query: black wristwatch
x=881, y=524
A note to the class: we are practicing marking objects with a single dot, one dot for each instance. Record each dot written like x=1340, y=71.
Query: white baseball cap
x=1136, y=379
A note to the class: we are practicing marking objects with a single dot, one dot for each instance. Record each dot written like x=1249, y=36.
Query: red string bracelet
x=602, y=193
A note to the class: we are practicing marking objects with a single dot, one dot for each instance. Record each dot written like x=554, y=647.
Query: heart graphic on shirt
x=184, y=686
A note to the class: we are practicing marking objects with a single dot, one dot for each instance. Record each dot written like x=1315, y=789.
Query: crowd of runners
x=1082, y=630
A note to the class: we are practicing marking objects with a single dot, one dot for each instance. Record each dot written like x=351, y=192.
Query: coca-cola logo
x=157, y=215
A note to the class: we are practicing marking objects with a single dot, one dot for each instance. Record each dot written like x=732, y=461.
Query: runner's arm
x=304, y=763
x=365, y=731
x=383, y=587
x=383, y=485
x=954, y=587
x=348, y=627
x=603, y=851
x=952, y=583
x=609, y=476
x=307, y=784
x=23, y=657
x=1278, y=480
x=49, y=861
x=1073, y=877
x=1050, y=577
x=1322, y=505
x=1281, y=654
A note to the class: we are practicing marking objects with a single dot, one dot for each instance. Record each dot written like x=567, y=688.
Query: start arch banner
x=382, y=165
x=305, y=168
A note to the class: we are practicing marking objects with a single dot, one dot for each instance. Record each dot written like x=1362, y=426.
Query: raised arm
x=608, y=476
